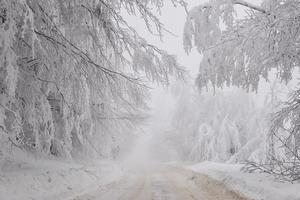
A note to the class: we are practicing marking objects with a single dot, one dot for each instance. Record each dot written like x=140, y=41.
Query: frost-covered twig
x=250, y=5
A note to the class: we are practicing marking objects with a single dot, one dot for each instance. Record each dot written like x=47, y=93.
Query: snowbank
x=50, y=179
x=254, y=185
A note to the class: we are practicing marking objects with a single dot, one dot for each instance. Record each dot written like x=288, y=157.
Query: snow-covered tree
x=222, y=127
x=240, y=51
x=74, y=73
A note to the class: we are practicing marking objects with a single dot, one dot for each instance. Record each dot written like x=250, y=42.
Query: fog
x=149, y=146
x=149, y=99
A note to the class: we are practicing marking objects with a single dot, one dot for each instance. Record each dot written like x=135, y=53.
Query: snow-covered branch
x=249, y=5
x=85, y=55
x=244, y=50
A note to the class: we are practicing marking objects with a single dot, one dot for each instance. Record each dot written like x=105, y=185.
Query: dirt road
x=163, y=183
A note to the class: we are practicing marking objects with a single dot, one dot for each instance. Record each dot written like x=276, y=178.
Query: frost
x=73, y=74
x=226, y=127
x=241, y=51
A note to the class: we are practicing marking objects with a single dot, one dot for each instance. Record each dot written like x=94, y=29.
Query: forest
x=83, y=83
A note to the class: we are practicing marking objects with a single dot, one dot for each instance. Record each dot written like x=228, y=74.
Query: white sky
x=174, y=18
x=162, y=102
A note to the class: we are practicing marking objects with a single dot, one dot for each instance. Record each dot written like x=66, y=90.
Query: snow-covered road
x=163, y=183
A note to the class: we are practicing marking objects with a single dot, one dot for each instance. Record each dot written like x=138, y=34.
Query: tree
x=223, y=127
x=73, y=72
x=240, y=51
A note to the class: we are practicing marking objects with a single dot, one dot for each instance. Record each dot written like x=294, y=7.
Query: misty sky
x=174, y=18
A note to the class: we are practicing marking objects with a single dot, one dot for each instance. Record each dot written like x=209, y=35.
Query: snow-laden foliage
x=74, y=73
x=283, y=157
x=226, y=127
x=239, y=51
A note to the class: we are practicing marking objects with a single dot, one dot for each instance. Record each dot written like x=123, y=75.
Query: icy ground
x=58, y=180
x=139, y=176
x=27, y=178
x=254, y=185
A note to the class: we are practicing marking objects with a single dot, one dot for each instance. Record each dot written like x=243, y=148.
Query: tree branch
x=249, y=5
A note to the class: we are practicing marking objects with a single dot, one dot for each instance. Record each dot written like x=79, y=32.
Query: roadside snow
x=255, y=185
x=30, y=179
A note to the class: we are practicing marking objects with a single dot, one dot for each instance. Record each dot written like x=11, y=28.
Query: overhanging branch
x=250, y=5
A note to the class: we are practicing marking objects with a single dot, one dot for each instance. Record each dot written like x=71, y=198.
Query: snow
x=28, y=178
x=253, y=185
x=35, y=179
x=74, y=84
